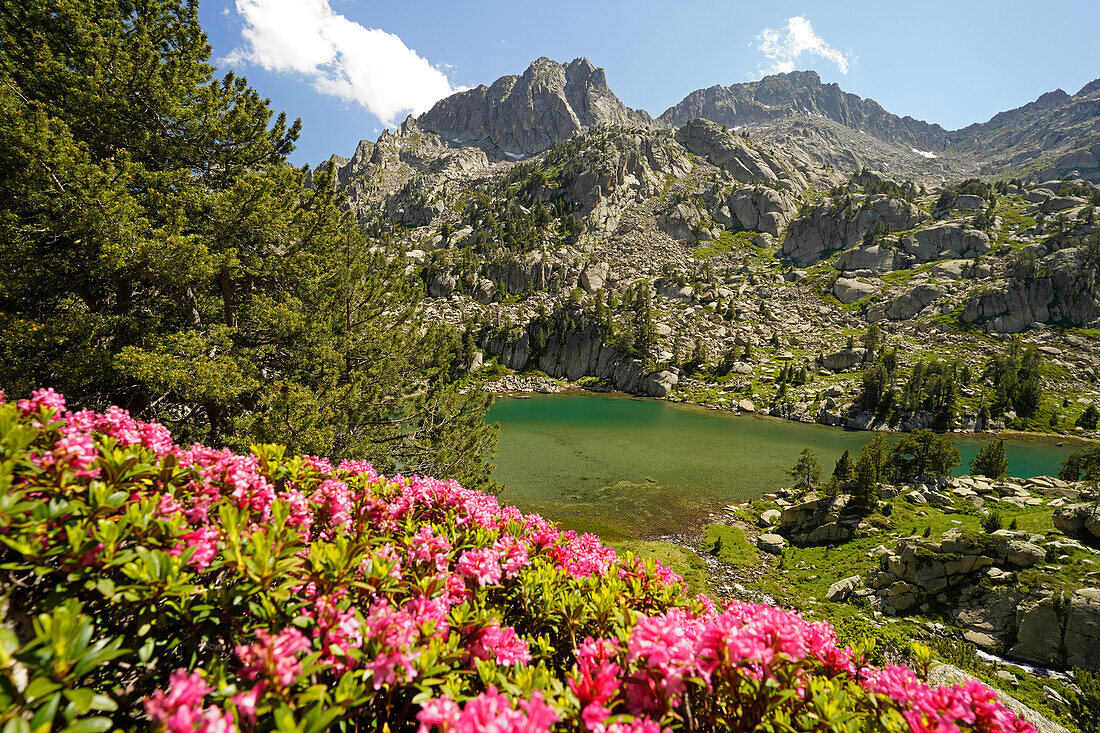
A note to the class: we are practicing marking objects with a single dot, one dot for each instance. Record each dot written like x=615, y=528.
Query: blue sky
x=348, y=68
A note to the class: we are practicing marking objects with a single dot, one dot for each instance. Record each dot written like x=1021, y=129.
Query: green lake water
x=626, y=467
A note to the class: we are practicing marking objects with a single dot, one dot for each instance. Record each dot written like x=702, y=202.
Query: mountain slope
x=802, y=93
x=1055, y=136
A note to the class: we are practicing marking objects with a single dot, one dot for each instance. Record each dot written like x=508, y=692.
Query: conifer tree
x=159, y=253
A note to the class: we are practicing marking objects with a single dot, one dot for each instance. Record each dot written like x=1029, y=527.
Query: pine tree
x=160, y=254
x=806, y=472
x=842, y=472
x=990, y=461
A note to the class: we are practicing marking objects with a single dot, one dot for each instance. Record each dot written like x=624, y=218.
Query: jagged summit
x=526, y=114
x=798, y=93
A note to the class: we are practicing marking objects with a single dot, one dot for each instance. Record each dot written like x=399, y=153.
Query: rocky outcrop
x=913, y=302
x=950, y=240
x=831, y=226
x=1065, y=289
x=1079, y=520
x=580, y=354
x=819, y=520
x=969, y=576
x=526, y=114
x=727, y=151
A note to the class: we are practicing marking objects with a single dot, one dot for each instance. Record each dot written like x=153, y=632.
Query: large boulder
x=1078, y=519
x=874, y=258
x=845, y=359
x=771, y=543
x=840, y=590
x=593, y=277
x=1038, y=634
x=849, y=290
x=1082, y=637
x=909, y=304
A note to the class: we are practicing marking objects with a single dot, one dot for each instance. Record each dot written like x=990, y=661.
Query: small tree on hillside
x=1089, y=418
x=805, y=472
x=990, y=461
x=842, y=472
x=865, y=480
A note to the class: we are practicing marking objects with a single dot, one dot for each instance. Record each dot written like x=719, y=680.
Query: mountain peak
x=526, y=114
x=799, y=93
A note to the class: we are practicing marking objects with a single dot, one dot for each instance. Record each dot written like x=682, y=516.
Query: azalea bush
x=153, y=586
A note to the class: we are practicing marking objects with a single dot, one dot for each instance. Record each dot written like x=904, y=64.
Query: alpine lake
x=624, y=467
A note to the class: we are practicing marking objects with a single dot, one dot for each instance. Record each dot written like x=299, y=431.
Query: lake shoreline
x=569, y=388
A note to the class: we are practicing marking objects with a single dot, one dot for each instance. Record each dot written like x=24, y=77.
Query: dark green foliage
x=992, y=522
x=1082, y=465
x=1089, y=418
x=922, y=453
x=991, y=461
x=160, y=254
x=1085, y=707
x=844, y=470
x=1015, y=376
x=805, y=472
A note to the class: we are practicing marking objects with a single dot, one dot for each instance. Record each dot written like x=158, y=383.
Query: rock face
x=801, y=92
x=1078, y=519
x=1068, y=293
x=526, y=114
x=971, y=576
x=827, y=227
x=580, y=354
x=950, y=240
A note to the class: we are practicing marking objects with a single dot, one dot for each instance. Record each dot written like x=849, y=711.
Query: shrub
x=198, y=589
x=992, y=522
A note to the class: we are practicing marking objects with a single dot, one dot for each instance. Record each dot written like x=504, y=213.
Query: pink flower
x=489, y=712
x=205, y=542
x=501, y=644
x=42, y=398
x=180, y=709
x=481, y=565
x=246, y=701
x=272, y=658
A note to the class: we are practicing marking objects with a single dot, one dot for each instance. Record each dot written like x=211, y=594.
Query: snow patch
x=924, y=153
x=513, y=156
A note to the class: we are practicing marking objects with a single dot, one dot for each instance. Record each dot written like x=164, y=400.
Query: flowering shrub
x=152, y=585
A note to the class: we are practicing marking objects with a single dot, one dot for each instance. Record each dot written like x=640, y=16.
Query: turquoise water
x=622, y=466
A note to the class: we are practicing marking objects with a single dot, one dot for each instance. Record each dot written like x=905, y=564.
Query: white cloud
x=784, y=48
x=340, y=57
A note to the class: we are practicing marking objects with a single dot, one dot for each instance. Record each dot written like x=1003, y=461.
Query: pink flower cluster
x=180, y=709
x=489, y=712
x=941, y=709
x=273, y=659
x=436, y=558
